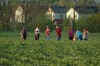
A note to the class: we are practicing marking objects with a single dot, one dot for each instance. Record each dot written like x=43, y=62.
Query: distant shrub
x=92, y=23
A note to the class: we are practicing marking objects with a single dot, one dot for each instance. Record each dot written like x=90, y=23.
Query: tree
x=91, y=23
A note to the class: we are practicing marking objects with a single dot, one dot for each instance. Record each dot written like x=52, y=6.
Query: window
x=61, y=16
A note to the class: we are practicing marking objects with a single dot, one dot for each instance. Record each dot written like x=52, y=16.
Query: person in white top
x=85, y=34
x=37, y=33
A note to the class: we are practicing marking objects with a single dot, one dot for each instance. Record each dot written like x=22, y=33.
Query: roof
x=86, y=10
x=59, y=9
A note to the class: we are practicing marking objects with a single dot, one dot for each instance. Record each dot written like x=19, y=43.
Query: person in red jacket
x=47, y=31
x=58, y=32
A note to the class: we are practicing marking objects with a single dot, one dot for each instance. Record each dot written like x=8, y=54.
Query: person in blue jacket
x=79, y=35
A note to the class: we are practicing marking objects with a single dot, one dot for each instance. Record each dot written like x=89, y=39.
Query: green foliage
x=41, y=21
x=92, y=23
x=34, y=14
x=17, y=52
x=66, y=24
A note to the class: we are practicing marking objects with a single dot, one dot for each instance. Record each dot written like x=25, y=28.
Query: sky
x=97, y=1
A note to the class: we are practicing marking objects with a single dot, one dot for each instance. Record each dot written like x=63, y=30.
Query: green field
x=17, y=52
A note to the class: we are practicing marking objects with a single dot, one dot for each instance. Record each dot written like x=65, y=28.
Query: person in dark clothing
x=23, y=33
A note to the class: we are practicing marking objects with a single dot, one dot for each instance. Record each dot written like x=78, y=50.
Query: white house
x=56, y=13
x=19, y=15
x=59, y=13
x=72, y=14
